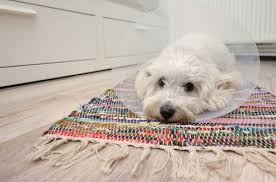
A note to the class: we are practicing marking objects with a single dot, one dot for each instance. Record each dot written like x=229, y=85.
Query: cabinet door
x=123, y=38
x=49, y=36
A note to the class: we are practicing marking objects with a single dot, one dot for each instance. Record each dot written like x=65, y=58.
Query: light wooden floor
x=29, y=109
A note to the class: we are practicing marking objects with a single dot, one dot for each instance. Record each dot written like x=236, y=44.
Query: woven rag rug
x=249, y=131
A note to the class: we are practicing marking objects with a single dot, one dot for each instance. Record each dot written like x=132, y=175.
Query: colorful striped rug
x=249, y=131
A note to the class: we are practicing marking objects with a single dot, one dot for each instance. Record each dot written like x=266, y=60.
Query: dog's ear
x=142, y=78
x=228, y=81
x=223, y=91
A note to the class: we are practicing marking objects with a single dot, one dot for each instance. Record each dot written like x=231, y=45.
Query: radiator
x=258, y=17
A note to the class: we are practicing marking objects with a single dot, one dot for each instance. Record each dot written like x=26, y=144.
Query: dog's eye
x=189, y=87
x=161, y=82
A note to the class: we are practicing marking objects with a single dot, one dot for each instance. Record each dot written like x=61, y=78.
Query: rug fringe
x=68, y=156
x=192, y=165
x=138, y=165
x=44, y=148
x=261, y=158
x=91, y=150
x=188, y=168
x=162, y=166
x=221, y=161
x=113, y=160
x=176, y=161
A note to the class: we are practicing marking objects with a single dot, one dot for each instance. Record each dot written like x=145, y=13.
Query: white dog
x=195, y=74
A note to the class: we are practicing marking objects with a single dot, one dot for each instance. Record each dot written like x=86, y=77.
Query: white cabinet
x=31, y=73
x=132, y=38
x=41, y=40
x=49, y=36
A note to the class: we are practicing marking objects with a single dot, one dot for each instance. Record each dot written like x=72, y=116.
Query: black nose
x=167, y=111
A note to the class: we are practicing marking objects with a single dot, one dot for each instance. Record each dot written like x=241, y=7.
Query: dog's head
x=179, y=86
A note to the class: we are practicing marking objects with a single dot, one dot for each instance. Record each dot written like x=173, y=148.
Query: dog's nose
x=167, y=111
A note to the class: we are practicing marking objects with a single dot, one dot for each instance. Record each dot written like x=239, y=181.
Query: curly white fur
x=197, y=59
